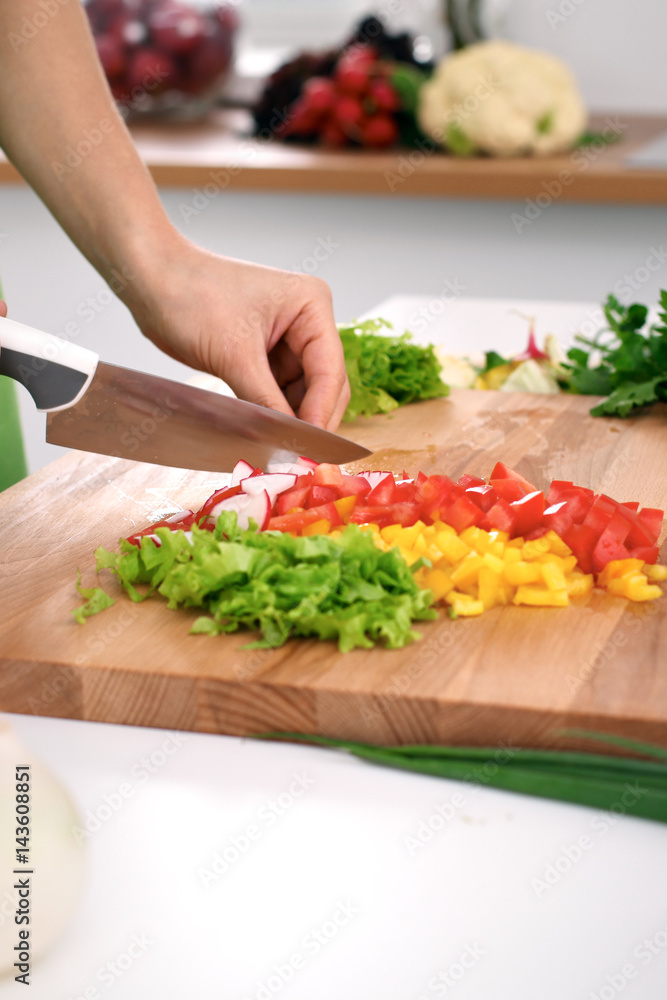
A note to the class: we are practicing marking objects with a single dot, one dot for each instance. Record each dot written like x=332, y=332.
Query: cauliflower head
x=503, y=99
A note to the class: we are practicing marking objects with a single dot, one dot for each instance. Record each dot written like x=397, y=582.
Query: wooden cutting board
x=516, y=674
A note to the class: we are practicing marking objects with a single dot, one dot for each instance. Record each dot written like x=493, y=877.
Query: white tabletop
x=321, y=891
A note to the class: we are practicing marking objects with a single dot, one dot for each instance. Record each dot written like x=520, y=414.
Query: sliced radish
x=241, y=471
x=273, y=482
x=300, y=470
x=272, y=467
x=180, y=515
x=236, y=503
x=308, y=462
x=257, y=508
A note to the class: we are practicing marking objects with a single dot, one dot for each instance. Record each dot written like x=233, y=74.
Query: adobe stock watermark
x=74, y=156
x=110, y=972
x=444, y=812
x=560, y=15
x=445, y=980
x=643, y=954
x=238, y=845
x=310, y=945
x=572, y=854
x=140, y=773
x=580, y=160
x=31, y=26
x=420, y=320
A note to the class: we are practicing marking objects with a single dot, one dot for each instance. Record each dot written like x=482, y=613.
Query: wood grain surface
x=220, y=151
x=515, y=674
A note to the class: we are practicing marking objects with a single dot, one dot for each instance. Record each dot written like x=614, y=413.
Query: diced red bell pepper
x=500, y=517
x=435, y=493
x=558, y=517
x=581, y=538
x=502, y=471
x=405, y=492
x=579, y=503
x=631, y=505
x=467, y=481
x=483, y=496
x=363, y=514
x=508, y=489
x=640, y=532
x=538, y=532
x=528, y=512
x=647, y=553
x=556, y=488
x=461, y=514
x=607, y=548
x=597, y=518
x=652, y=518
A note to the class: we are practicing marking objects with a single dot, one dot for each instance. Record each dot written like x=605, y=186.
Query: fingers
x=314, y=338
x=255, y=383
x=3, y=308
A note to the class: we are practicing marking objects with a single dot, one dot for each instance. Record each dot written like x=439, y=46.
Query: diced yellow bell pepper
x=579, y=584
x=618, y=568
x=452, y=548
x=538, y=547
x=557, y=545
x=655, y=573
x=316, y=528
x=468, y=568
x=553, y=576
x=489, y=586
x=541, y=597
x=523, y=572
x=345, y=506
x=391, y=533
x=420, y=545
x=437, y=581
x=469, y=610
x=515, y=543
x=493, y=563
x=511, y=556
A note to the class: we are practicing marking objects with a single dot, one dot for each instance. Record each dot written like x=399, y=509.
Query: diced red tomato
x=296, y=521
x=632, y=505
x=383, y=493
x=435, y=493
x=322, y=494
x=528, y=512
x=405, y=491
x=328, y=475
x=355, y=486
x=295, y=497
x=363, y=514
x=502, y=471
x=508, y=489
x=500, y=517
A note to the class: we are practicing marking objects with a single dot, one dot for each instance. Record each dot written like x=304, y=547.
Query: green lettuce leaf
x=96, y=600
x=386, y=372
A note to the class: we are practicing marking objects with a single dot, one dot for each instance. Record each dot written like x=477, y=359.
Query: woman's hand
x=269, y=334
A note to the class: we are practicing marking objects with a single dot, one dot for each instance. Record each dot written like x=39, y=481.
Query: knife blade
x=99, y=407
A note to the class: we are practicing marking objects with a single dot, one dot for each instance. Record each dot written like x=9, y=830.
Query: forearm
x=61, y=129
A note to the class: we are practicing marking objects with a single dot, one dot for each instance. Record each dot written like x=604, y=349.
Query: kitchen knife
x=94, y=406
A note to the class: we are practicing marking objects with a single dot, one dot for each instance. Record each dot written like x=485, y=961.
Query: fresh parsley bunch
x=632, y=368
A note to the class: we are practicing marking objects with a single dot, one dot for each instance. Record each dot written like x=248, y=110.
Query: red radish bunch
x=149, y=47
x=355, y=105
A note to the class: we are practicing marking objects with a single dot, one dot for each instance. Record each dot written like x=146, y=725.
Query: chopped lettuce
x=343, y=589
x=96, y=600
x=387, y=372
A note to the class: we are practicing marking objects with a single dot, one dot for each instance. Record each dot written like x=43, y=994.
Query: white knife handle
x=55, y=372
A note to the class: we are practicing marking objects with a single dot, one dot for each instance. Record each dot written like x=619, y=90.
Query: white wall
x=385, y=246
x=616, y=48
